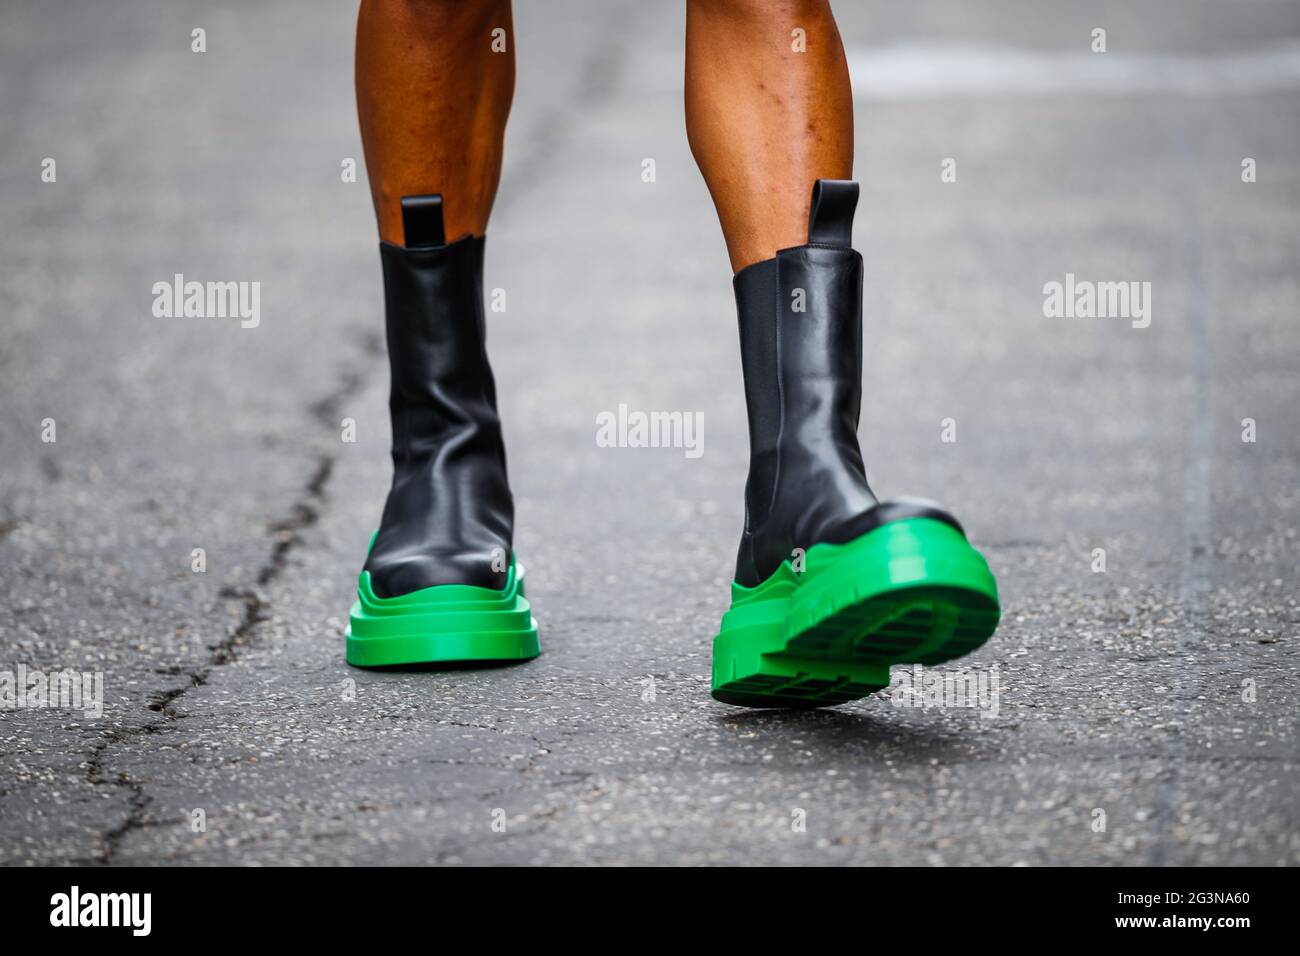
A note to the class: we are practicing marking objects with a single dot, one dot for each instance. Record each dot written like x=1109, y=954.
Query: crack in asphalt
x=287, y=535
x=1198, y=506
x=600, y=71
x=138, y=799
x=530, y=763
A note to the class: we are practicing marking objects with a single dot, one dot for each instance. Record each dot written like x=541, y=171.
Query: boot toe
x=883, y=513
x=393, y=578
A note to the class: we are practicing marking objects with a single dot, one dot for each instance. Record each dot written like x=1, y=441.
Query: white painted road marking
x=917, y=71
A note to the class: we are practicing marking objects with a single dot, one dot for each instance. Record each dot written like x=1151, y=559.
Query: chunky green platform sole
x=909, y=592
x=451, y=622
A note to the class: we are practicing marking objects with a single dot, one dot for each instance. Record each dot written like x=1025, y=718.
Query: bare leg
x=433, y=99
x=765, y=121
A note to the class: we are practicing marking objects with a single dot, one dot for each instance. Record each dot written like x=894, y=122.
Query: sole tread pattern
x=869, y=609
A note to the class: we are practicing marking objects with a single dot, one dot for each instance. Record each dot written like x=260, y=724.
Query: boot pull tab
x=830, y=217
x=422, y=222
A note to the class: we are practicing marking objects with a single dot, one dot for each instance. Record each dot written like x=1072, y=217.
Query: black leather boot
x=440, y=582
x=832, y=586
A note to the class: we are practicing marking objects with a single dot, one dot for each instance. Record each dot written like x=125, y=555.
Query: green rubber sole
x=444, y=624
x=909, y=592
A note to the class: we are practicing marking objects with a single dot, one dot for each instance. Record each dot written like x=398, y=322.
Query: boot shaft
x=801, y=347
x=449, y=517
x=441, y=381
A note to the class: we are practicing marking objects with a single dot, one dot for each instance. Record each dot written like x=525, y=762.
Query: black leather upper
x=449, y=517
x=803, y=390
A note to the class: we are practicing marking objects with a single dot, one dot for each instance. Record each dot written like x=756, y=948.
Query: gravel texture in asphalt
x=1144, y=714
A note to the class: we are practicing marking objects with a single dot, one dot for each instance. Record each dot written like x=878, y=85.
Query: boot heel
x=909, y=592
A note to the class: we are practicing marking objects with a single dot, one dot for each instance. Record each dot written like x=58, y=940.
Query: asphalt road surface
x=1146, y=713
